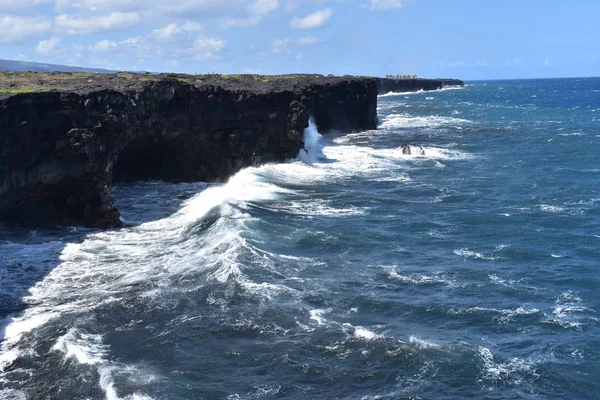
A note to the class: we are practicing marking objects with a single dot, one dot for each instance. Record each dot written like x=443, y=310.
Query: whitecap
x=363, y=333
x=85, y=348
x=422, y=344
x=571, y=134
x=317, y=315
x=392, y=94
x=552, y=209
x=472, y=254
x=500, y=371
x=319, y=207
x=395, y=121
x=420, y=279
x=570, y=312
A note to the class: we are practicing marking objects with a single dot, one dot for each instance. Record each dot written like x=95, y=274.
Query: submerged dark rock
x=64, y=138
x=411, y=149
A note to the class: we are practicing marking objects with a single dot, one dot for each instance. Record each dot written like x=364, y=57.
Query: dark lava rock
x=64, y=138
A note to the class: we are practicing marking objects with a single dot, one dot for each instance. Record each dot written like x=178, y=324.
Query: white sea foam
x=552, y=209
x=91, y=273
x=422, y=344
x=570, y=312
x=443, y=89
x=421, y=279
x=88, y=349
x=21, y=325
x=363, y=333
x=85, y=348
x=510, y=370
x=452, y=87
x=504, y=282
x=473, y=254
x=11, y=394
x=7, y=358
x=317, y=316
x=571, y=134
x=395, y=121
x=392, y=94
x=501, y=316
x=319, y=207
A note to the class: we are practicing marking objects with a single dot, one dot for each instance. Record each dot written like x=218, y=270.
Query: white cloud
x=209, y=44
x=312, y=21
x=308, y=40
x=279, y=46
x=174, y=43
x=102, y=46
x=14, y=30
x=21, y=5
x=546, y=62
x=192, y=27
x=112, y=5
x=45, y=47
x=197, y=8
x=254, y=13
x=83, y=26
x=388, y=4
x=186, y=8
x=166, y=33
x=262, y=7
x=174, y=31
x=240, y=22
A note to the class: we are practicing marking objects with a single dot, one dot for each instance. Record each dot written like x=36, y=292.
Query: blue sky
x=468, y=39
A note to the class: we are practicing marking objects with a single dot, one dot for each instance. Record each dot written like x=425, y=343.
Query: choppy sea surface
x=353, y=272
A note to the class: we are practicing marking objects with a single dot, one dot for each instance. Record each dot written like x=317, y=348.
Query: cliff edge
x=65, y=137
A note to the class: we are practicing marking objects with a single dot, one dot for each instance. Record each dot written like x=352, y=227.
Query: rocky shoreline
x=387, y=85
x=65, y=137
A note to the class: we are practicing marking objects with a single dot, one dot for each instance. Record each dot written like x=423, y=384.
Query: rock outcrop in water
x=64, y=138
x=412, y=150
x=387, y=85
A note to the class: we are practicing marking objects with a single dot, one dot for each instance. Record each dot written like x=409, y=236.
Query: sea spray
x=312, y=150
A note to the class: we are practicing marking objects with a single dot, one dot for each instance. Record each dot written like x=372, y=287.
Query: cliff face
x=387, y=85
x=60, y=150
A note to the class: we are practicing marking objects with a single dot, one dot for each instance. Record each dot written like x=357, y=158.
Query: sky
x=467, y=39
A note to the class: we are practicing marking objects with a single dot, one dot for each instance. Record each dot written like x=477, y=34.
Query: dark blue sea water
x=472, y=271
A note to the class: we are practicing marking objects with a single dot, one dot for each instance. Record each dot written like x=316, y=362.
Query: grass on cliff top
x=267, y=78
x=238, y=76
x=31, y=82
x=17, y=90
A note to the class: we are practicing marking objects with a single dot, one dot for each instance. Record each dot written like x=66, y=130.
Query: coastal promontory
x=66, y=137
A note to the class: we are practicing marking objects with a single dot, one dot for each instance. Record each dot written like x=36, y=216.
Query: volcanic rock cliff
x=64, y=138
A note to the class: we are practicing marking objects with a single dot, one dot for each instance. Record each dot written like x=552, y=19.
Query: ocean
x=469, y=268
